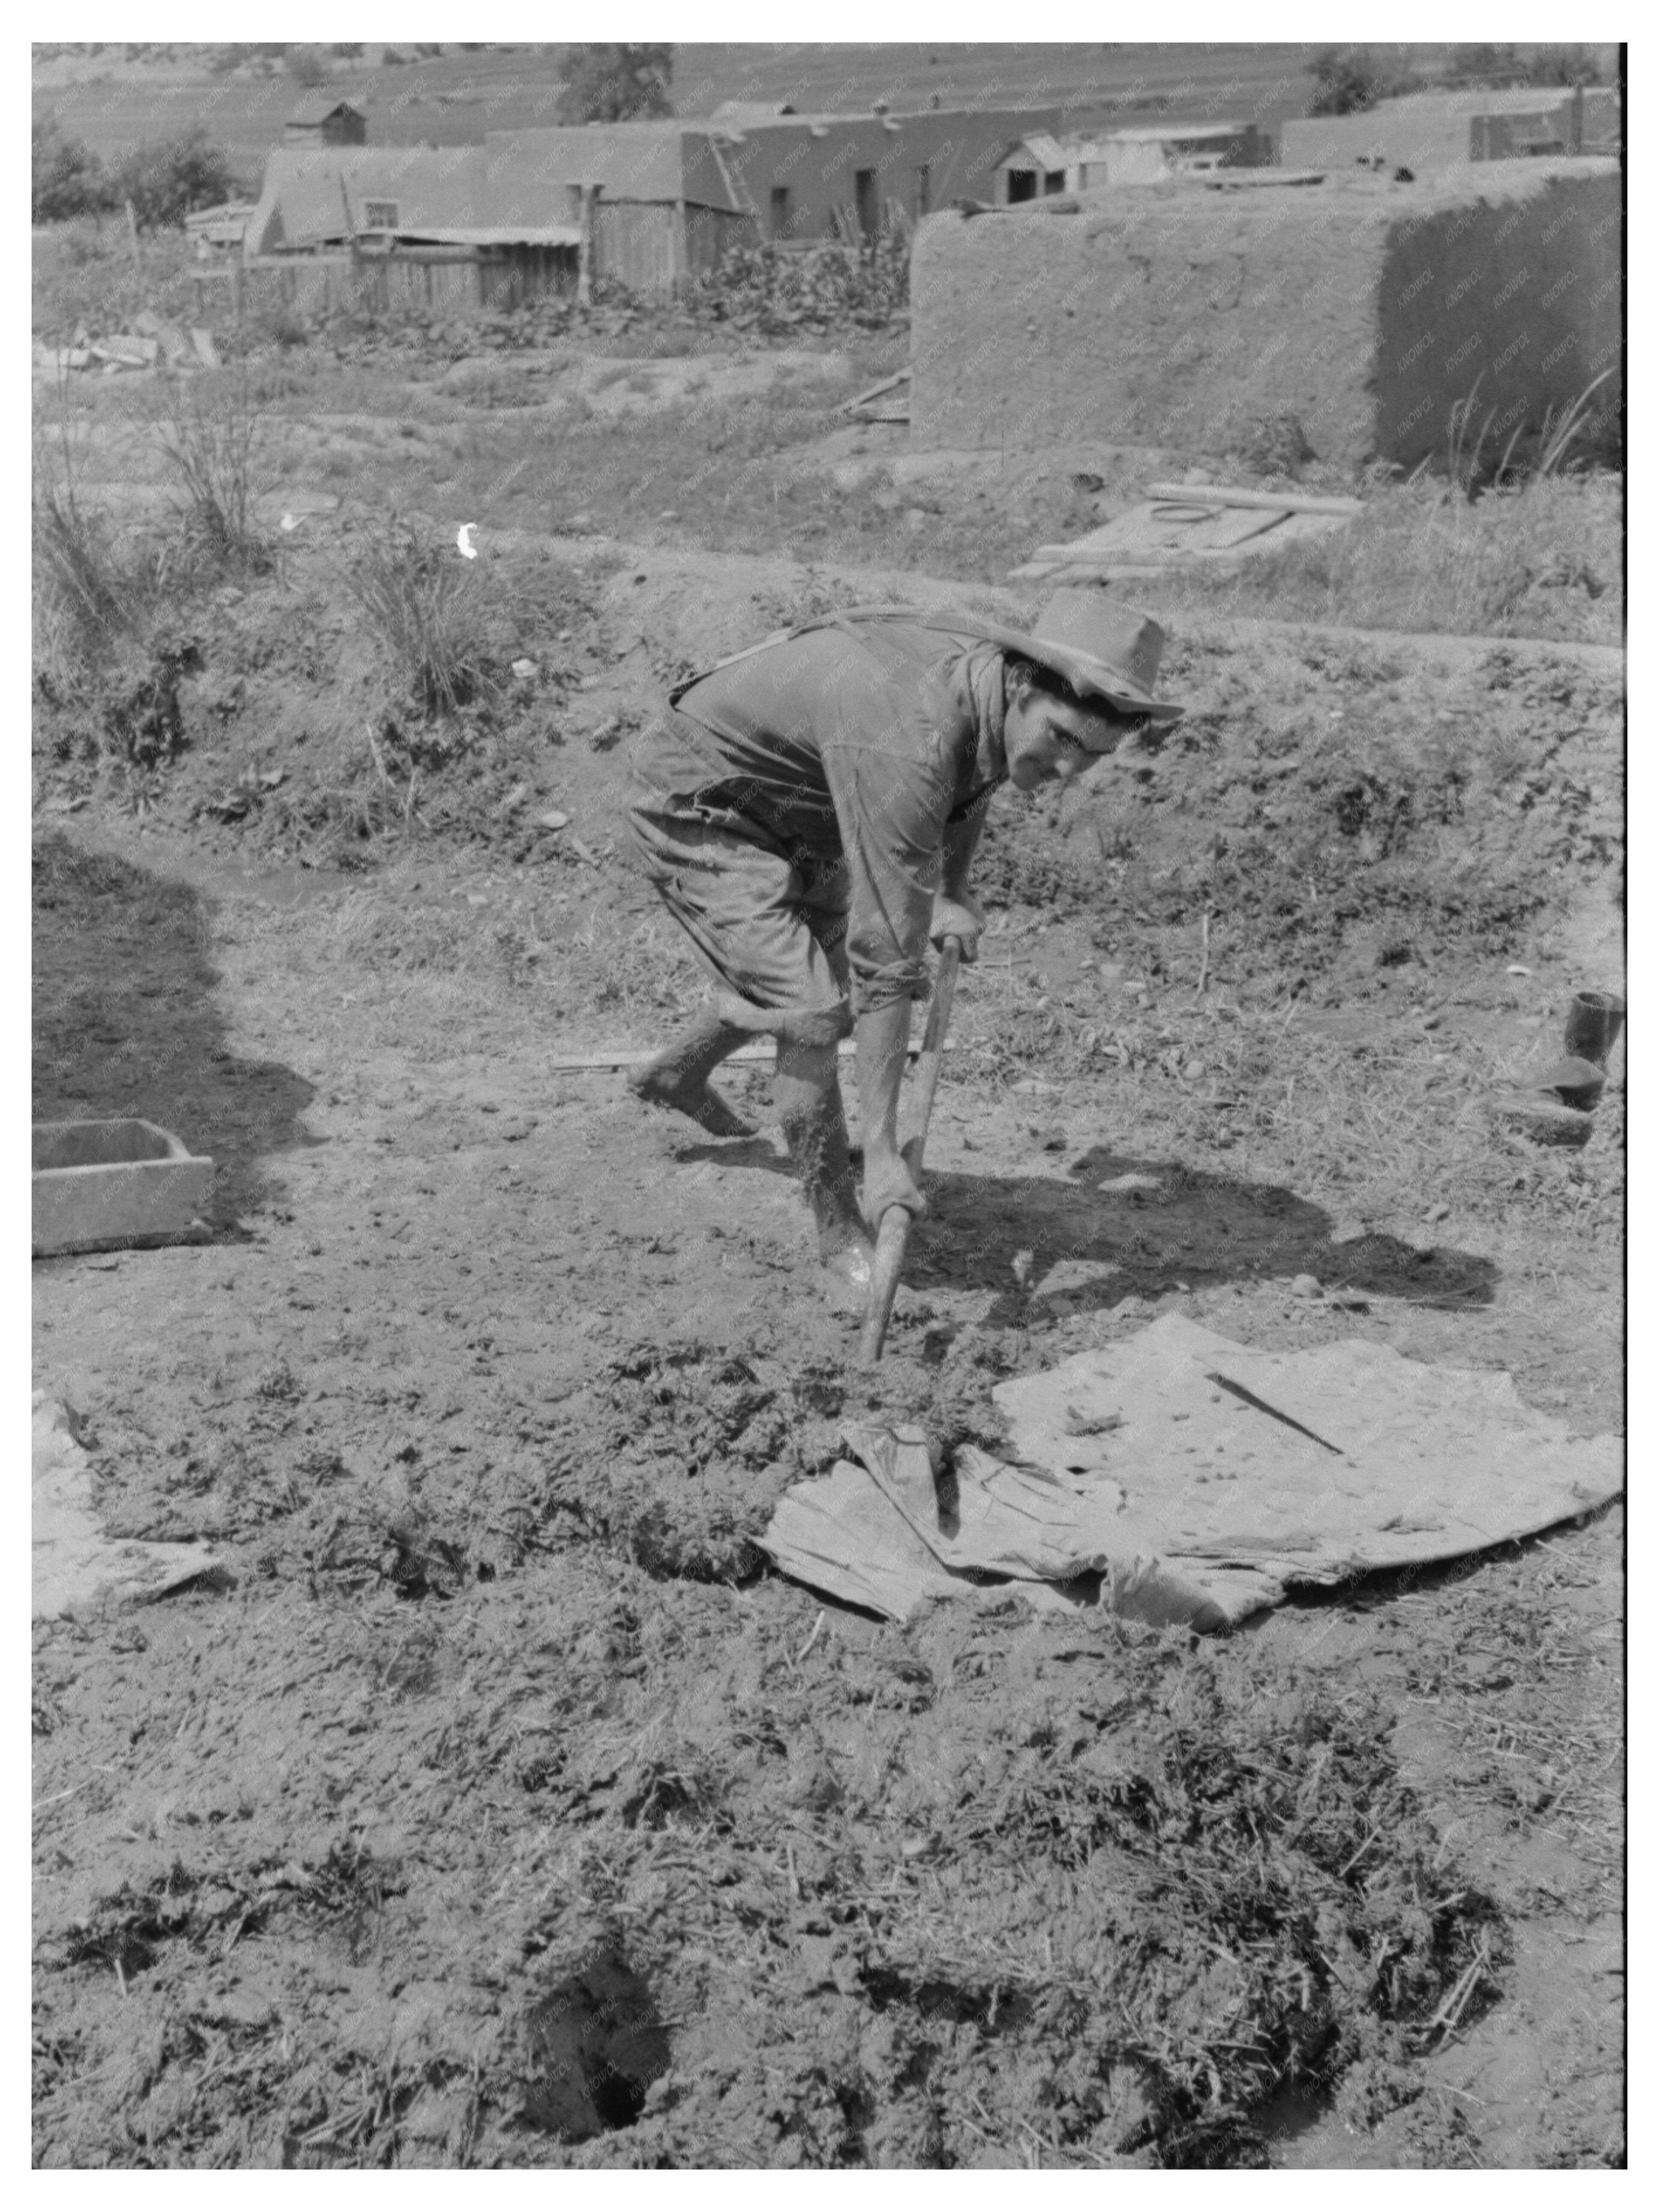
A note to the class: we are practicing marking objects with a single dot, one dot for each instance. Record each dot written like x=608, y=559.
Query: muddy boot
x=815, y=1130
x=1594, y=1021
x=678, y=1078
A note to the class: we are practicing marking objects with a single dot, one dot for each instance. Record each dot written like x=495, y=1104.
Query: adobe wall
x=1160, y=315
x=1177, y=316
x=1515, y=296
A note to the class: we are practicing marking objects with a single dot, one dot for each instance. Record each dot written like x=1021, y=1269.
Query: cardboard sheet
x=74, y=1562
x=1183, y=1476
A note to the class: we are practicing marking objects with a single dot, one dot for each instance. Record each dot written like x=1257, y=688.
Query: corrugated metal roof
x=552, y=233
x=1169, y=134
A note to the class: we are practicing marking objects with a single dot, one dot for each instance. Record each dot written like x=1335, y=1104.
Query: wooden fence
x=456, y=280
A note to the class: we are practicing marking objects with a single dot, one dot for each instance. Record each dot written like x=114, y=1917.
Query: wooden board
x=746, y=1056
x=1292, y=502
x=1178, y=526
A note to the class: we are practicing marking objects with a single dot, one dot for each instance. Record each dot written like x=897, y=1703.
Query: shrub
x=86, y=597
x=66, y=179
x=82, y=600
x=167, y=179
x=769, y=289
x=1349, y=78
x=608, y=84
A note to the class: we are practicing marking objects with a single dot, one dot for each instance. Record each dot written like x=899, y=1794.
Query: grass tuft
x=423, y=603
x=209, y=431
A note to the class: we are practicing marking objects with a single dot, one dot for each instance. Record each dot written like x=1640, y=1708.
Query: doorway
x=864, y=201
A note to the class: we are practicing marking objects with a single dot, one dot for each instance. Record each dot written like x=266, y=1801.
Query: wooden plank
x=876, y=391
x=1097, y=568
x=746, y=1056
x=1293, y=502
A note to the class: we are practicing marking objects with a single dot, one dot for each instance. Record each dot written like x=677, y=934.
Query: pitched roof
x=1046, y=152
x=494, y=234
x=307, y=190
x=318, y=106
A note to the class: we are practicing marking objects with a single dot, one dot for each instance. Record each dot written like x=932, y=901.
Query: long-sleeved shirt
x=868, y=740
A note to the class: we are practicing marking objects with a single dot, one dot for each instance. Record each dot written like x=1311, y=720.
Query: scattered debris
x=863, y=409
x=74, y=1562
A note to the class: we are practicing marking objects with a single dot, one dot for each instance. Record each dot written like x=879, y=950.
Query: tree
x=1484, y=64
x=66, y=178
x=1570, y=65
x=167, y=179
x=608, y=84
x=306, y=66
x=1349, y=78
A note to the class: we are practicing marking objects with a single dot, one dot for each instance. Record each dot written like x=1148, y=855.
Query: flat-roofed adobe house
x=850, y=176
x=322, y=119
x=1149, y=152
x=1434, y=133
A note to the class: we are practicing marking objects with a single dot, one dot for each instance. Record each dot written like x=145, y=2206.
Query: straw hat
x=1103, y=648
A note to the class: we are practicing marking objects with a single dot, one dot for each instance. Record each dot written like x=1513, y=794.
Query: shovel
x=893, y=1232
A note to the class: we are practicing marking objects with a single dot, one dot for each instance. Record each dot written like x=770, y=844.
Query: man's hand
x=888, y=1181
x=957, y=914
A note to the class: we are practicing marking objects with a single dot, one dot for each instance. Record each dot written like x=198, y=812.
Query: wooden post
x=585, y=252
x=133, y=234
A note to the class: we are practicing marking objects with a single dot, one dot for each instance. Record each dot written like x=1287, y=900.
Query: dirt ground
x=490, y=1803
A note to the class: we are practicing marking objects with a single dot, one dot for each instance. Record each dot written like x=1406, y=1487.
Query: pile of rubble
x=151, y=341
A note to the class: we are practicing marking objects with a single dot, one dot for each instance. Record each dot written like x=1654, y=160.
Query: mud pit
x=503, y=1810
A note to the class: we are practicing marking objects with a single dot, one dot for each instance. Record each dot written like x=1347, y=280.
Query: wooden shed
x=322, y=119
x=1031, y=168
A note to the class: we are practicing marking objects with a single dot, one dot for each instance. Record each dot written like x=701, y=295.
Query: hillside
x=114, y=106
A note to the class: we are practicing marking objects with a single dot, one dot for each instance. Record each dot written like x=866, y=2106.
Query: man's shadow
x=127, y=1021
x=1167, y=1225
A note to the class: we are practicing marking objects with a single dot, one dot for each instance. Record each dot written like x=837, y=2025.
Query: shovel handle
x=893, y=1235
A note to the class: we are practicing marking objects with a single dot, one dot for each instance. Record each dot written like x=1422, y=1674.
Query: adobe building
x=662, y=200
x=1180, y=314
x=1149, y=152
x=1429, y=132
x=805, y=178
